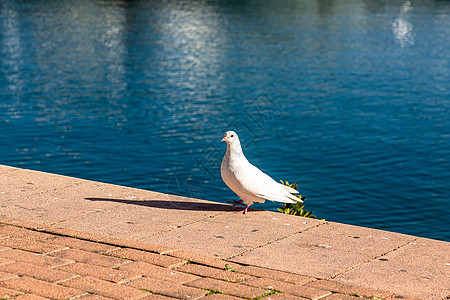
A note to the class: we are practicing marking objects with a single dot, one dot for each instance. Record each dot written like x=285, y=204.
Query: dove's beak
x=224, y=139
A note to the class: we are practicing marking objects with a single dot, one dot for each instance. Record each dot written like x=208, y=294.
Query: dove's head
x=230, y=137
x=233, y=143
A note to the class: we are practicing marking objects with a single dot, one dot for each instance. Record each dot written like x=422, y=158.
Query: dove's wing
x=252, y=182
x=247, y=181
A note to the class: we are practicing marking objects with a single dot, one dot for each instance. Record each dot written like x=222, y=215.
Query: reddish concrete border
x=211, y=234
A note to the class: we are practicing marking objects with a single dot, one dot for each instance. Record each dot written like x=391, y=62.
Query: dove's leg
x=244, y=211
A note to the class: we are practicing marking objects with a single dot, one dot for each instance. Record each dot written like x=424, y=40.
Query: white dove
x=249, y=182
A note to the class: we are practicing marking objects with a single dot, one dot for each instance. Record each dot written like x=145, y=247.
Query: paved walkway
x=63, y=237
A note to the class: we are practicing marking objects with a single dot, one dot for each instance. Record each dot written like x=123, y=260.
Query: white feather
x=247, y=181
x=289, y=189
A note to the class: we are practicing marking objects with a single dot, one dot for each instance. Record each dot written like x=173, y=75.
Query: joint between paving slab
x=56, y=233
x=6, y=249
x=10, y=278
x=371, y=259
x=213, y=292
x=109, y=251
x=62, y=265
x=326, y=295
x=7, y=263
x=80, y=296
x=277, y=240
x=126, y=262
x=67, y=279
x=55, y=251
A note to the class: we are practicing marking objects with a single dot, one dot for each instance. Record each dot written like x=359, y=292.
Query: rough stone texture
x=59, y=206
x=227, y=235
x=97, y=297
x=138, y=245
x=149, y=270
x=6, y=293
x=29, y=297
x=131, y=215
x=274, y=274
x=348, y=289
x=41, y=288
x=328, y=249
x=80, y=244
x=283, y=296
x=4, y=261
x=3, y=248
x=168, y=288
x=341, y=297
x=37, y=272
x=220, y=297
x=34, y=259
x=107, y=274
x=105, y=288
x=18, y=232
x=156, y=297
x=156, y=259
x=105, y=282
x=16, y=183
x=239, y=290
x=204, y=259
x=90, y=258
x=31, y=245
x=206, y=271
x=6, y=275
x=43, y=214
x=289, y=288
x=419, y=269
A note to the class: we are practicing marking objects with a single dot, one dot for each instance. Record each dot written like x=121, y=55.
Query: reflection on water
x=349, y=98
x=403, y=30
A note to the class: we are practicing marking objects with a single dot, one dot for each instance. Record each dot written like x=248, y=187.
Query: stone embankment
x=69, y=238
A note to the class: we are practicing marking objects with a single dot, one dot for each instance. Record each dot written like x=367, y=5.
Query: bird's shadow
x=175, y=205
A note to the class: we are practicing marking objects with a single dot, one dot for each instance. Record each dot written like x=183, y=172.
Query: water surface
x=349, y=98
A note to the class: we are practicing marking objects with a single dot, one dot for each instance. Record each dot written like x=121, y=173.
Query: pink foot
x=243, y=211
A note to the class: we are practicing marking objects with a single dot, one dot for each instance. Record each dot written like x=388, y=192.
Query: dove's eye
x=232, y=135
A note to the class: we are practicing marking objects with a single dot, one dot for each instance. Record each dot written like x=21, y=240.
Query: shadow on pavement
x=177, y=205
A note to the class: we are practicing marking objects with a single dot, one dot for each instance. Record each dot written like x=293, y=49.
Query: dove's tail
x=289, y=189
x=289, y=194
x=294, y=198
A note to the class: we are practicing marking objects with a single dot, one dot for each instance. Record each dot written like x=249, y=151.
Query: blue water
x=350, y=99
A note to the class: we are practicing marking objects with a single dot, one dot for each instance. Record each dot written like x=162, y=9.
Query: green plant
x=296, y=208
x=229, y=268
x=212, y=292
x=272, y=291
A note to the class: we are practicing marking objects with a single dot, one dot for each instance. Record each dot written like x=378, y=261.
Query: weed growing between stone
x=296, y=208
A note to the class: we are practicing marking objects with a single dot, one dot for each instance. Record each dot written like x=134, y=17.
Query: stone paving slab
x=18, y=183
x=64, y=236
x=141, y=219
x=69, y=202
x=325, y=251
x=423, y=263
x=65, y=203
x=100, y=276
x=231, y=234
